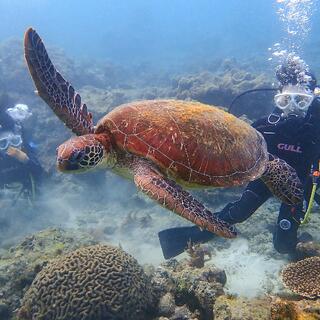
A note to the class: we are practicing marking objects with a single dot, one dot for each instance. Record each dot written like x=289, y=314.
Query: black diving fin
x=174, y=241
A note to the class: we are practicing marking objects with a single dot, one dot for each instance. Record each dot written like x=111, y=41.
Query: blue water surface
x=158, y=31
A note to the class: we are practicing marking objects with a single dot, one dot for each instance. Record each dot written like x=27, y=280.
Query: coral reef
x=95, y=282
x=19, y=265
x=303, y=277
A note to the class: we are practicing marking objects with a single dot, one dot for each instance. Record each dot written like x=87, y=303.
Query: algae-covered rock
x=283, y=310
x=237, y=308
x=265, y=308
x=95, y=282
x=286, y=309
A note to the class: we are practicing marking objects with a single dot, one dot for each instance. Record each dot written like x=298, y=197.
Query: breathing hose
x=315, y=181
x=249, y=91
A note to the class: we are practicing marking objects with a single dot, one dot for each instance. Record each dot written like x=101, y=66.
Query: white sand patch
x=248, y=274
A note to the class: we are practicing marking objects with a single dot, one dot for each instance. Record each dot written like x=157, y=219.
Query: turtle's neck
x=127, y=163
x=124, y=164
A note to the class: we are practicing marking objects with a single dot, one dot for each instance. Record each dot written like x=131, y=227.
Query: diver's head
x=297, y=85
x=83, y=153
x=294, y=100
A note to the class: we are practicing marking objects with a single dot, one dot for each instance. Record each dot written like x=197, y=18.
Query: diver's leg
x=174, y=241
x=252, y=198
x=285, y=236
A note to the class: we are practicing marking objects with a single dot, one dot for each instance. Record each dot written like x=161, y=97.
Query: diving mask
x=9, y=139
x=294, y=100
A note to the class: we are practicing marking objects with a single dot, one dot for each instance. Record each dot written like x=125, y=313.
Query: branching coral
x=96, y=282
x=303, y=277
x=197, y=254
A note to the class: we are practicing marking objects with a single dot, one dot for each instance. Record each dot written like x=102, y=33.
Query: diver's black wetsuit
x=297, y=141
x=13, y=170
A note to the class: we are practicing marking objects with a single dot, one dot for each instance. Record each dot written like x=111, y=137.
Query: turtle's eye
x=77, y=156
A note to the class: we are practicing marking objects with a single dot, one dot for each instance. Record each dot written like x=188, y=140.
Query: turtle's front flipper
x=283, y=181
x=53, y=88
x=170, y=195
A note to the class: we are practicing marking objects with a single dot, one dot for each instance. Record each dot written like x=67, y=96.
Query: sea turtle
x=160, y=143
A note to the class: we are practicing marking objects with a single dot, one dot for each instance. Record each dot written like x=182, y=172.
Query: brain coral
x=303, y=277
x=95, y=282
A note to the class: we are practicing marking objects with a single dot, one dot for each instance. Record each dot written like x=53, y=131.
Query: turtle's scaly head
x=86, y=152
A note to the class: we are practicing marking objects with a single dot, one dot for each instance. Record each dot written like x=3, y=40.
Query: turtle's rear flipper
x=170, y=195
x=283, y=181
x=53, y=88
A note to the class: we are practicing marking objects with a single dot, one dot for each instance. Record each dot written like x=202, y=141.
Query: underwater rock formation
x=195, y=289
x=95, y=282
x=220, y=87
x=303, y=277
x=307, y=249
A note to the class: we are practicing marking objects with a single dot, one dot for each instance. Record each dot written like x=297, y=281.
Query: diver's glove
x=17, y=154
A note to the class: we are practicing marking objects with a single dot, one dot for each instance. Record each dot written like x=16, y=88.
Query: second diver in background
x=18, y=161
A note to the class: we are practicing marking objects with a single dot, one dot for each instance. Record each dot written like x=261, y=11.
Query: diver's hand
x=18, y=154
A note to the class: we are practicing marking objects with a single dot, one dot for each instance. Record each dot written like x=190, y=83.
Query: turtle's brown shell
x=196, y=144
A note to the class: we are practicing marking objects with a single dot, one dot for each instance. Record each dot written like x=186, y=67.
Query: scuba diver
x=292, y=132
x=18, y=162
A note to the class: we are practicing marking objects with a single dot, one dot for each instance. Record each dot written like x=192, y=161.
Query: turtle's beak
x=69, y=162
x=66, y=166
